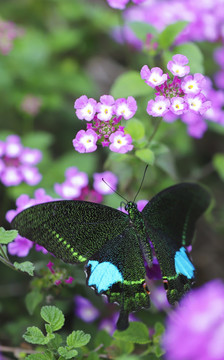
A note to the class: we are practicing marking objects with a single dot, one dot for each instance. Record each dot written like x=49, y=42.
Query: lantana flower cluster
x=195, y=330
x=75, y=187
x=121, y=4
x=17, y=163
x=8, y=32
x=103, y=123
x=182, y=94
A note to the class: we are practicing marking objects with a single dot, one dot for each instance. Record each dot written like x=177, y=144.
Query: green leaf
x=146, y=155
x=159, y=329
x=34, y=335
x=135, y=128
x=102, y=337
x=47, y=355
x=7, y=236
x=129, y=357
x=38, y=139
x=142, y=29
x=53, y=316
x=136, y=333
x=25, y=266
x=78, y=338
x=55, y=343
x=218, y=163
x=66, y=353
x=32, y=300
x=130, y=84
x=169, y=34
x=165, y=161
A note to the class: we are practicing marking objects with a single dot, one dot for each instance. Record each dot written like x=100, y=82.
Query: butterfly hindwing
x=72, y=230
x=118, y=271
x=170, y=219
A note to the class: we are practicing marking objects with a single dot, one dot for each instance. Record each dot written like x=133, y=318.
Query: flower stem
x=155, y=129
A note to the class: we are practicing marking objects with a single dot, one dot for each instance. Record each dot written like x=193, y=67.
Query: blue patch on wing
x=183, y=265
x=103, y=275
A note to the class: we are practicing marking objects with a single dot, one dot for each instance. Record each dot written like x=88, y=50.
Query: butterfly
x=115, y=246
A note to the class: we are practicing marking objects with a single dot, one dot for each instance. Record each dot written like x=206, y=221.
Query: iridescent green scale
x=116, y=247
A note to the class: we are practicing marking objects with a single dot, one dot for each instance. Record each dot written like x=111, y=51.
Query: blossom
x=8, y=32
x=85, y=108
x=20, y=246
x=84, y=309
x=158, y=107
x=31, y=104
x=177, y=66
x=105, y=108
x=198, y=103
x=85, y=141
x=120, y=142
x=153, y=77
x=193, y=84
x=118, y=4
x=17, y=163
x=100, y=186
x=126, y=108
x=178, y=105
x=219, y=56
x=72, y=186
x=196, y=125
x=195, y=329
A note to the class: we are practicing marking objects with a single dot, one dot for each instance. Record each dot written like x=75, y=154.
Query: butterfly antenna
x=114, y=190
x=141, y=182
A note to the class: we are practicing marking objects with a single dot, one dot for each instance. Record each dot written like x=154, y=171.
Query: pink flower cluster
x=103, y=125
x=219, y=75
x=205, y=19
x=184, y=94
x=121, y=4
x=8, y=32
x=17, y=162
x=195, y=330
x=75, y=187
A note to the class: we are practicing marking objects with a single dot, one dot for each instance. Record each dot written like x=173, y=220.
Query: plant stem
x=155, y=129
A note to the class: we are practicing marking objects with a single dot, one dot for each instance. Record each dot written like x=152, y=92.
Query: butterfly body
x=117, y=248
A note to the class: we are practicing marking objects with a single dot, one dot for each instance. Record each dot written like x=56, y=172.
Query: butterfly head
x=130, y=206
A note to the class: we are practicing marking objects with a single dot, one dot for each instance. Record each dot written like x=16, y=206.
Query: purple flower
x=100, y=186
x=153, y=77
x=118, y=4
x=84, y=309
x=120, y=142
x=178, y=105
x=196, y=125
x=8, y=32
x=109, y=324
x=105, y=108
x=219, y=79
x=195, y=330
x=69, y=280
x=219, y=56
x=125, y=108
x=197, y=103
x=31, y=105
x=178, y=66
x=159, y=298
x=193, y=84
x=85, y=108
x=72, y=186
x=158, y=107
x=20, y=246
x=50, y=267
x=16, y=163
x=85, y=141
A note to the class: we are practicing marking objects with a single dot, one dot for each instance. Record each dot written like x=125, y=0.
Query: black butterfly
x=115, y=246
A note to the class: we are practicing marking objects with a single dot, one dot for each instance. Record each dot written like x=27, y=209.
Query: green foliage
x=168, y=35
x=130, y=84
x=25, y=266
x=136, y=333
x=218, y=163
x=7, y=236
x=53, y=316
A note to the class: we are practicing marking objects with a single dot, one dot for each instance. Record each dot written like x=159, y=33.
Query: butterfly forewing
x=170, y=219
x=72, y=230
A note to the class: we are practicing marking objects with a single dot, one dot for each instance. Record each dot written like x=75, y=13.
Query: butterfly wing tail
x=123, y=321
